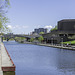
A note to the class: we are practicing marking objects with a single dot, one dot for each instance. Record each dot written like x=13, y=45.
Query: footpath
x=6, y=63
x=1, y=72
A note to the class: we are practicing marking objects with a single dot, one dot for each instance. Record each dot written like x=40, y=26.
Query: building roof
x=67, y=20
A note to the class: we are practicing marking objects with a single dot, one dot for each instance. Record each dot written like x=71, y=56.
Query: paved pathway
x=6, y=62
x=1, y=72
x=4, y=59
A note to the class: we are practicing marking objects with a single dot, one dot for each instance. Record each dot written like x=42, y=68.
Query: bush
x=31, y=40
x=40, y=38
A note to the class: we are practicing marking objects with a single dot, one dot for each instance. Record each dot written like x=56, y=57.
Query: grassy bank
x=69, y=42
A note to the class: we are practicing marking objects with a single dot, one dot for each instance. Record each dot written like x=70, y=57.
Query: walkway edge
x=8, y=68
x=54, y=46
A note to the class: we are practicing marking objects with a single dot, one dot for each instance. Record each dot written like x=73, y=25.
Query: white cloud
x=9, y=26
x=17, y=26
x=24, y=26
x=48, y=26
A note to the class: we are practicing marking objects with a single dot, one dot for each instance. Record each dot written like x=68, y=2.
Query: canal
x=40, y=60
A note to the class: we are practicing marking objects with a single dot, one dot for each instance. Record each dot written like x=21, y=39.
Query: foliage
x=55, y=28
x=11, y=39
x=20, y=38
x=4, y=5
x=72, y=37
x=41, y=38
x=31, y=40
x=41, y=33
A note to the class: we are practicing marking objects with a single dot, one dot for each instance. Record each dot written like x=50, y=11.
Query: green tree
x=71, y=37
x=4, y=5
x=41, y=33
x=20, y=38
x=55, y=28
x=31, y=40
x=40, y=38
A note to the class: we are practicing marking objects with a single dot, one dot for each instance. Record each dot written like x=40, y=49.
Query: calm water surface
x=39, y=60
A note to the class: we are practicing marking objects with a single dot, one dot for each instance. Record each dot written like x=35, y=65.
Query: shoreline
x=61, y=47
x=49, y=45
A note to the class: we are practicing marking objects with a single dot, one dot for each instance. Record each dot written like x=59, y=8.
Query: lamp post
x=52, y=41
x=62, y=42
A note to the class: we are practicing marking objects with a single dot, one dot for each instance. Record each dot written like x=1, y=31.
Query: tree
x=20, y=38
x=31, y=40
x=55, y=28
x=41, y=33
x=4, y=5
x=71, y=37
x=41, y=38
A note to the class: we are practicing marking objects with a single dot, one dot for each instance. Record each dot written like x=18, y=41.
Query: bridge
x=9, y=36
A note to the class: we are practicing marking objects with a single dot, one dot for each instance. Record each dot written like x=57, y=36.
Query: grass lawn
x=69, y=42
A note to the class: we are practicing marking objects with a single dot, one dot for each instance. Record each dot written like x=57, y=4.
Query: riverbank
x=54, y=46
x=72, y=47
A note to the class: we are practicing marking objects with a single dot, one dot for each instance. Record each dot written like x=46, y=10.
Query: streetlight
x=62, y=42
x=52, y=41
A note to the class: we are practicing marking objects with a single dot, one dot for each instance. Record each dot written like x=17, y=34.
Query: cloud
x=9, y=26
x=24, y=26
x=17, y=26
x=48, y=26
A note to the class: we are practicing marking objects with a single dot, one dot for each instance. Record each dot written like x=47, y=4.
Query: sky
x=26, y=15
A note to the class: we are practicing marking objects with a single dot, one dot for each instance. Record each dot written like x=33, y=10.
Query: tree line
x=4, y=6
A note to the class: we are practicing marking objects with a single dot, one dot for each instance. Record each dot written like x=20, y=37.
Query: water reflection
x=40, y=60
x=8, y=73
x=66, y=63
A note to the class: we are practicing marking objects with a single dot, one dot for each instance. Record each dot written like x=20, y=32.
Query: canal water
x=40, y=60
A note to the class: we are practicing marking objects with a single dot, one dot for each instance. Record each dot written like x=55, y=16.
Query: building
x=40, y=30
x=66, y=25
x=65, y=29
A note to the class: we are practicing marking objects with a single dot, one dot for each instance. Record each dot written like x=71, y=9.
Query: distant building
x=10, y=33
x=66, y=25
x=40, y=30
